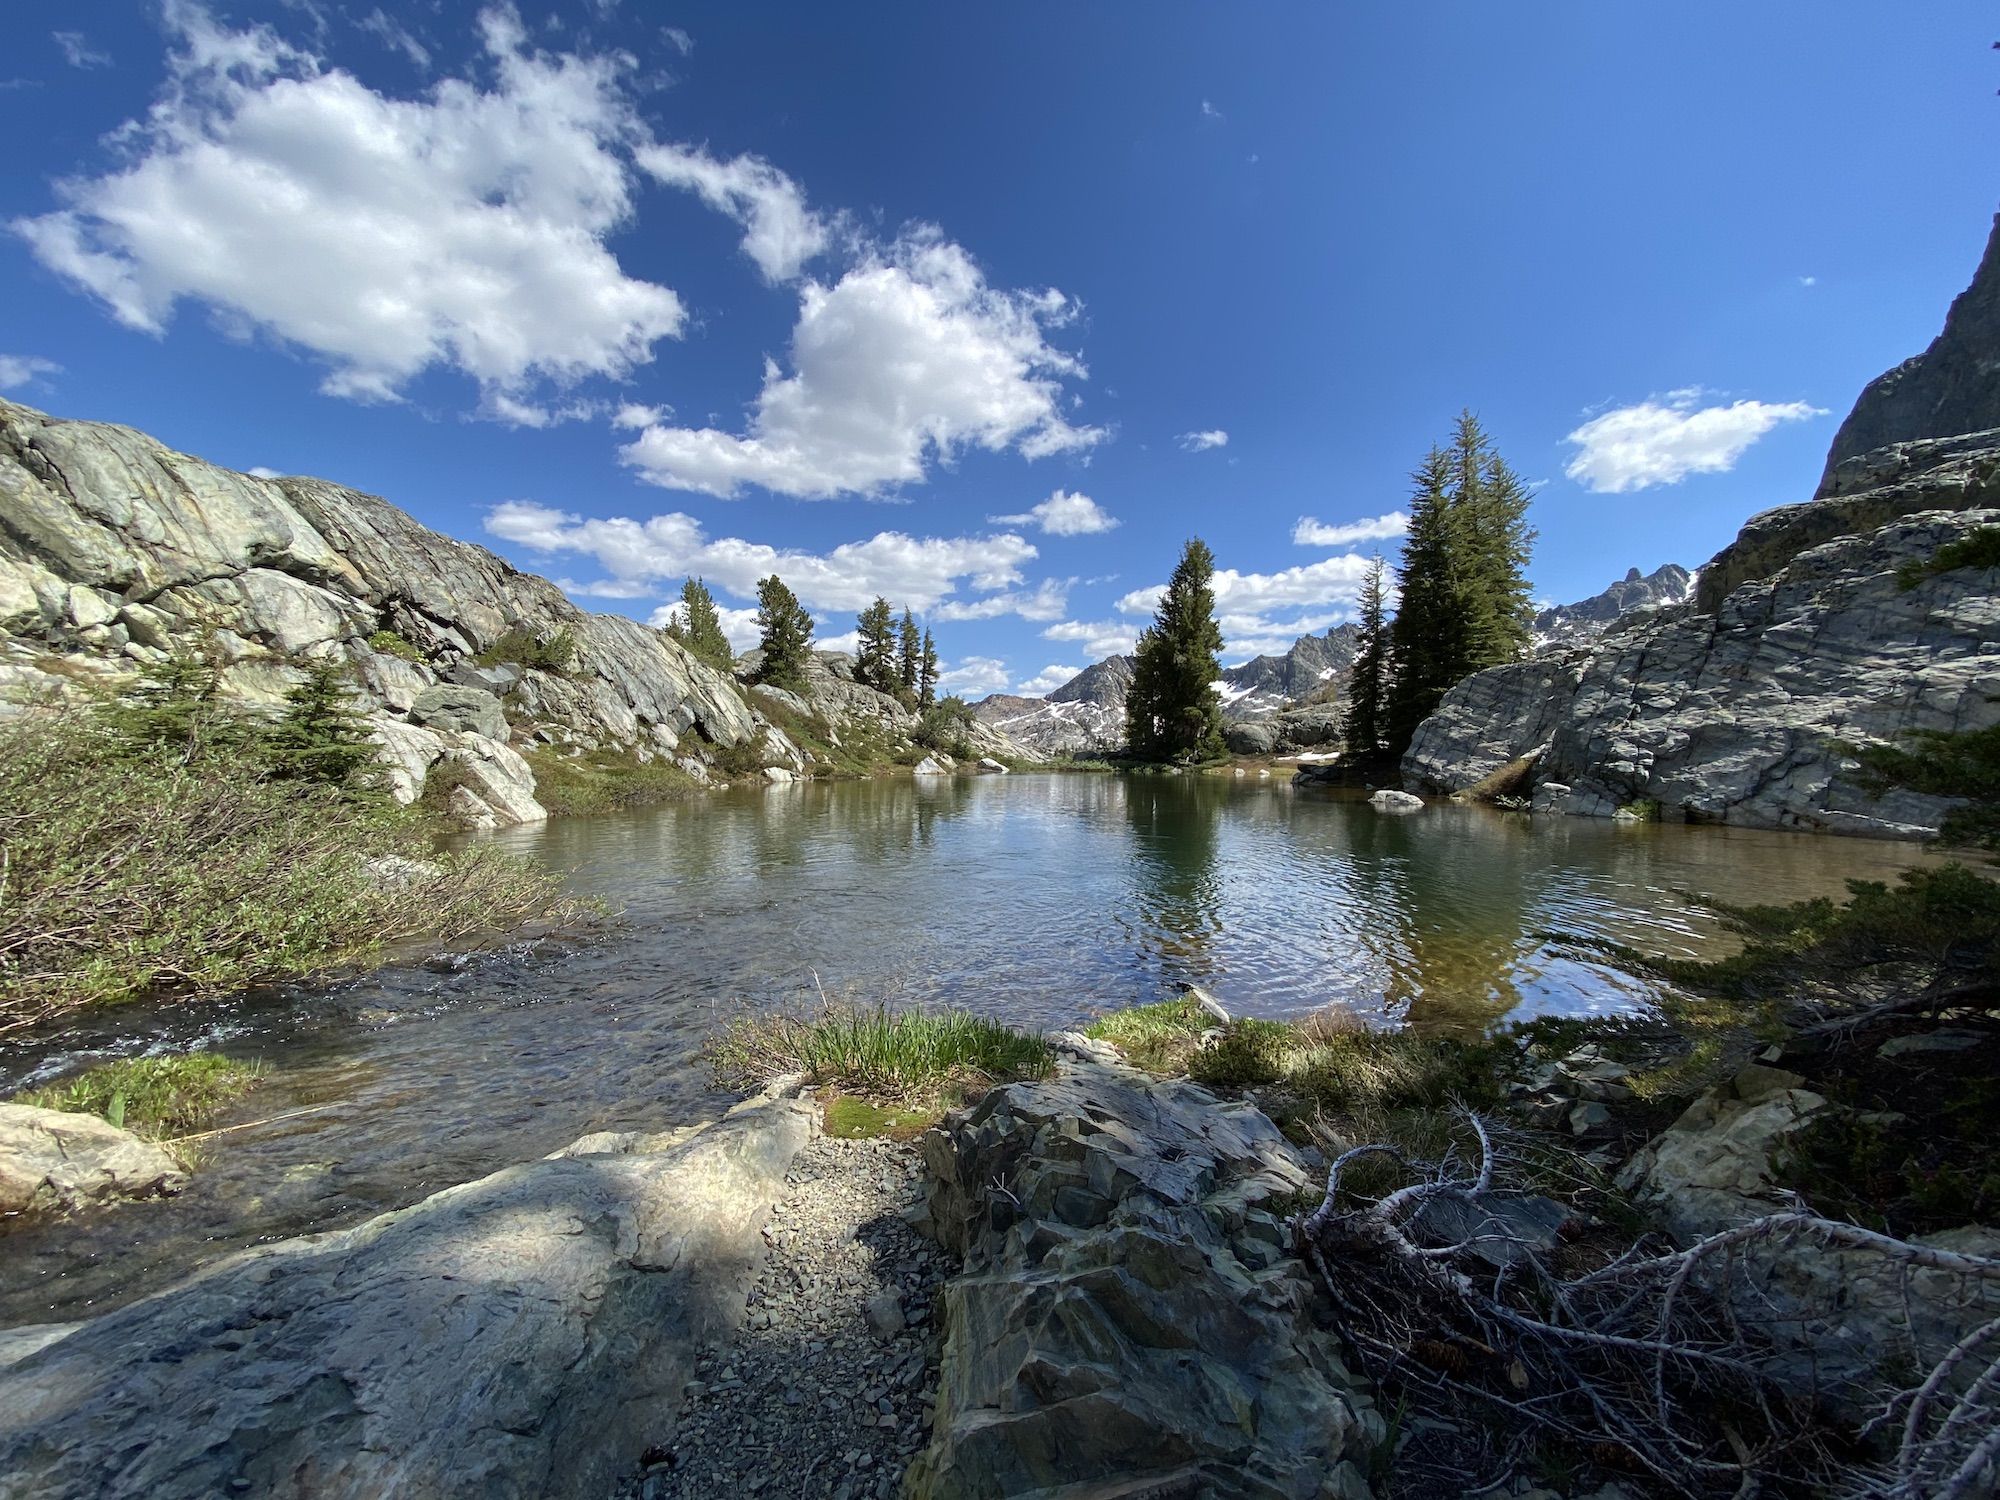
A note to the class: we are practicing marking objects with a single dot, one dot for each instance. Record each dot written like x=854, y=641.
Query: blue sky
x=987, y=309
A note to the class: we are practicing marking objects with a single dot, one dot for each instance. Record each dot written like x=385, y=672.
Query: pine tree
x=321, y=735
x=1171, y=708
x=699, y=627
x=909, y=655
x=875, y=656
x=1463, y=582
x=1362, y=724
x=785, y=631
x=927, y=673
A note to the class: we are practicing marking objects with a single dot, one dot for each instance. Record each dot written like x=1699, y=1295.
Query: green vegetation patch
x=603, y=781
x=173, y=844
x=390, y=643
x=157, y=1097
x=1160, y=1037
x=914, y=1056
x=1330, y=1063
x=1947, y=765
x=848, y=1118
x=1976, y=549
x=523, y=648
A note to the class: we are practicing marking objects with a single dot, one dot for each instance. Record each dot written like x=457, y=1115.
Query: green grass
x=1160, y=1037
x=848, y=1118
x=908, y=1055
x=865, y=747
x=603, y=781
x=1331, y=1063
x=156, y=1097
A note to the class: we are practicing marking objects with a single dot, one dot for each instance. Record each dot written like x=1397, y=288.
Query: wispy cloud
x=1664, y=439
x=1201, y=442
x=1313, y=533
x=78, y=52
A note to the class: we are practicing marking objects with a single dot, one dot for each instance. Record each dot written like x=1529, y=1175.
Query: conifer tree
x=909, y=654
x=699, y=627
x=927, y=673
x=1464, y=588
x=785, y=635
x=1367, y=685
x=875, y=655
x=321, y=735
x=1171, y=708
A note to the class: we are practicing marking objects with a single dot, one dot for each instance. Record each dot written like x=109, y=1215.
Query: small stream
x=1039, y=899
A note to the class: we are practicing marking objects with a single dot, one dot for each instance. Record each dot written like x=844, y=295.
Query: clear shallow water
x=1039, y=899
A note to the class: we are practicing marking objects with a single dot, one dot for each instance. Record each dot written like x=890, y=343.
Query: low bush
x=908, y=1055
x=389, y=643
x=1976, y=549
x=173, y=844
x=522, y=648
x=603, y=781
x=157, y=1097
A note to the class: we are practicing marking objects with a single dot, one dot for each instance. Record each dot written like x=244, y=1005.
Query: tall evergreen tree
x=875, y=655
x=1171, y=708
x=927, y=673
x=1367, y=684
x=785, y=635
x=699, y=627
x=1463, y=580
x=909, y=654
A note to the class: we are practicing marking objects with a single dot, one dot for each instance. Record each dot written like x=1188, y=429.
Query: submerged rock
x=1129, y=1321
x=521, y=1335
x=1393, y=801
x=58, y=1160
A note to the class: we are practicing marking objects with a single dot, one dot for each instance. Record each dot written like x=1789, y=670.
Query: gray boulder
x=470, y=710
x=1391, y=801
x=1128, y=1321
x=523, y=1335
x=1251, y=737
x=54, y=1160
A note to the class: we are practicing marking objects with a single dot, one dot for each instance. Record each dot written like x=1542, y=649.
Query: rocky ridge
x=114, y=548
x=1573, y=624
x=1823, y=626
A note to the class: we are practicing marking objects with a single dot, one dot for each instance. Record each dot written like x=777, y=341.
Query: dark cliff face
x=1951, y=388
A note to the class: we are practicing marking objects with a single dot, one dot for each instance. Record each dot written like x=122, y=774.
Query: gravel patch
x=829, y=1388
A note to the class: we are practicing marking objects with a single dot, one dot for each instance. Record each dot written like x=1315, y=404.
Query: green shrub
x=389, y=643
x=604, y=781
x=944, y=726
x=522, y=648
x=189, y=867
x=1946, y=765
x=1976, y=549
x=157, y=1097
x=904, y=1054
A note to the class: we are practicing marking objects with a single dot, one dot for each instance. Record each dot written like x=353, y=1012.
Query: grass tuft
x=1160, y=1037
x=1331, y=1064
x=909, y=1055
x=604, y=781
x=156, y=1097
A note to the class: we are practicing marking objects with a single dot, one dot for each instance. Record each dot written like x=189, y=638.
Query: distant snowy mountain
x=1571, y=624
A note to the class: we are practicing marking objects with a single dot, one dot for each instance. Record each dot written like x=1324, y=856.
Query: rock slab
x=1129, y=1322
x=522, y=1335
x=52, y=1159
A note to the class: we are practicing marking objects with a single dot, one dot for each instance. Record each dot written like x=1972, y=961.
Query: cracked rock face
x=1745, y=715
x=522, y=1335
x=114, y=547
x=1128, y=1321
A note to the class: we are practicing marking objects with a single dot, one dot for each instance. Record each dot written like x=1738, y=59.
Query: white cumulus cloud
x=1664, y=439
x=1201, y=442
x=1064, y=513
x=1046, y=601
x=463, y=229
x=1310, y=532
x=1046, y=681
x=657, y=553
x=779, y=232
x=1099, y=638
x=908, y=358
x=975, y=677
x=17, y=370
